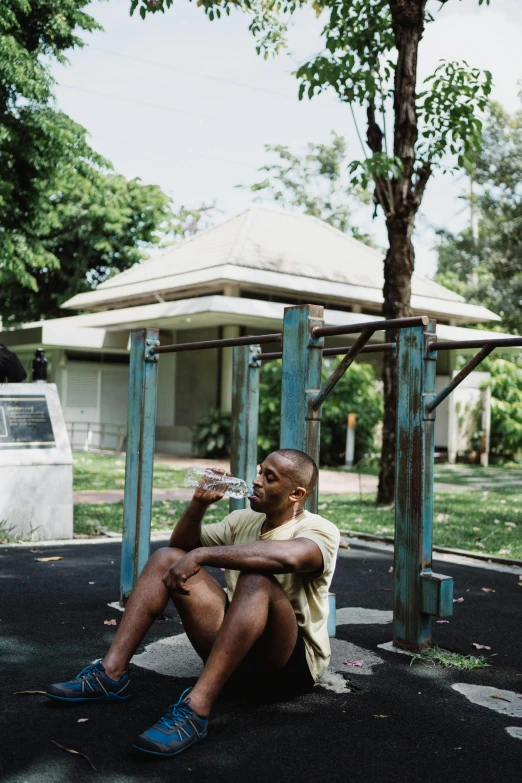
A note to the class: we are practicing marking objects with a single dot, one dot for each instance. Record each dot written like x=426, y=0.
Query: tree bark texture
x=403, y=199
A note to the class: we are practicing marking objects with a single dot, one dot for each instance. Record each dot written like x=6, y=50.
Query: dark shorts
x=252, y=681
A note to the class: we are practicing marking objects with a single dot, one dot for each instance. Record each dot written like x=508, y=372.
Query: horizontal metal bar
x=376, y=326
x=506, y=342
x=226, y=343
x=469, y=367
x=341, y=368
x=380, y=348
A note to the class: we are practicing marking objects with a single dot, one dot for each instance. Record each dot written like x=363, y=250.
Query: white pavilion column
x=226, y=369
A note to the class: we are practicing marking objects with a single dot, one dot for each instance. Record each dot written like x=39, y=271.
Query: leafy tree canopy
x=34, y=137
x=485, y=264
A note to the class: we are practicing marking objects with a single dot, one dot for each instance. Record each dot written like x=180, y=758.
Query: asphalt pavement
x=377, y=718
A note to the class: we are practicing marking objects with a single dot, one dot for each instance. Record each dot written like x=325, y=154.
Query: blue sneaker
x=175, y=731
x=91, y=684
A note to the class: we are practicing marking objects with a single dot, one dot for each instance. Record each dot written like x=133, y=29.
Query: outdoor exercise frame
x=419, y=593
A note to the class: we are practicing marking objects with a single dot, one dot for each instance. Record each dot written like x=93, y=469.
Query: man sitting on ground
x=267, y=636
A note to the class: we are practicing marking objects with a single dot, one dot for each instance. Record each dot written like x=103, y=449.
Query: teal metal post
x=419, y=593
x=141, y=427
x=245, y=416
x=301, y=382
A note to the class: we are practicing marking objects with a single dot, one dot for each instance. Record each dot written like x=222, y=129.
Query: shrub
x=356, y=393
x=506, y=408
x=211, y=435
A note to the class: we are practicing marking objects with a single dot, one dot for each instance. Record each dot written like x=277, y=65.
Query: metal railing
x=87, y=435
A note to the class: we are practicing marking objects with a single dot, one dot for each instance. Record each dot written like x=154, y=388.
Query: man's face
x=274, y=485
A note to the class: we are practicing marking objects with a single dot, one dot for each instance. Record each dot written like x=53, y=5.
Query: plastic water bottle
x=230, y=486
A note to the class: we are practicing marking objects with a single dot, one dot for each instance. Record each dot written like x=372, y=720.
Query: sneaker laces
x=89, y=671
x=176, y=715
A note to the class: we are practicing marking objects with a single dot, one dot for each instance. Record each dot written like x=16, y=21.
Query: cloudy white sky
x=186, y=103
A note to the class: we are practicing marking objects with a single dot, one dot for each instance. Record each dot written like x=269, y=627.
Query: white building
x=230, y=280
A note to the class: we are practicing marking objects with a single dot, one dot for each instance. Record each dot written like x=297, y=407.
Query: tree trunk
x=408, y=26
x=398, y=269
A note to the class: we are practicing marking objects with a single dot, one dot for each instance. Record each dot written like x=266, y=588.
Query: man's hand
x=180, y=572
x=207, y=497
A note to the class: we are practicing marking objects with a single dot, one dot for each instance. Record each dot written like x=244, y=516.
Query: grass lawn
x=488, y=522
x=105, y=471
x=486, y=519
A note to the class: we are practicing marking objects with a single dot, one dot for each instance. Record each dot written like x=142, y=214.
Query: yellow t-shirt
x=308, y=595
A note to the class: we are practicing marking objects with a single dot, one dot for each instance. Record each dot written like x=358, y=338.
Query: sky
x=187, y=104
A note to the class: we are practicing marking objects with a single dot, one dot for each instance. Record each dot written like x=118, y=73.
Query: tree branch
x=422, y=176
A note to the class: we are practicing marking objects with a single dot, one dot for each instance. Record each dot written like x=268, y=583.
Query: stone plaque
x=25, y=423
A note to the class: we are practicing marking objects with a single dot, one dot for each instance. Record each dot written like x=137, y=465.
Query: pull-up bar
x=380, y=348
x=228, y=342
x=373, y=326
x=506, y=342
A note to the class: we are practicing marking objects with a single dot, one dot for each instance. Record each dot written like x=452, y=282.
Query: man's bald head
x=304, y=469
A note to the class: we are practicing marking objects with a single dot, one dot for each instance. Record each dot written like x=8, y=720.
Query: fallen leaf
x=35, y=551
x=500, y=698
x=75, y=752
x=82, y=720
x=480, y=646
x=481, y=546
x=510, y=524
x=380, y=716
x=487, y=590
x=458, y=600
x=92, y=583
x=504, y=551
x=475, y=528
x=344, y=543
x=29, y=693
x=442, y=622
x=109, y=622
x=354, y=663
x=390, y=570
x=47, y=559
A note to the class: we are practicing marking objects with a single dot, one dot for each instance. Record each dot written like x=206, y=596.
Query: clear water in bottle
x=230, y=486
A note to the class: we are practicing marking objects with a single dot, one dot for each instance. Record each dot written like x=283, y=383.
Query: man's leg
x=259, y=613
x=201, y=612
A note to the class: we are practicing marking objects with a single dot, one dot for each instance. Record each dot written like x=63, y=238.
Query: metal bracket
x=437, y=594
x=150, y=353
x=254, y=351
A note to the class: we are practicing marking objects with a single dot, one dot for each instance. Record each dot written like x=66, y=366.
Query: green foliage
x=486, y=267
x=315, y=183
x=506, y=408
x=91, y=225
x=211, y=435
x=355, y=393
x=34, y=137
x=449, y=112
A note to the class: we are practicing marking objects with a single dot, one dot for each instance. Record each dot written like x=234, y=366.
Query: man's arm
x=187, y=532
x=299, y=555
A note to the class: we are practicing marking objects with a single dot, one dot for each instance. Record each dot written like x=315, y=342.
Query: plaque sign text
x=25, y=423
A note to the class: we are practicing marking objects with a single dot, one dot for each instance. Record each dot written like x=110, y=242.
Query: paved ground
x=331, y=482
x=389, y=722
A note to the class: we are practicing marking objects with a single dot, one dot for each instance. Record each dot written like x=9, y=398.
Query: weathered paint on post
x=418, y=592
x=141, y=428
x=301, y=382
x=245, y=416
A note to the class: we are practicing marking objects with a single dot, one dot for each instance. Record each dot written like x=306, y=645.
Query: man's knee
x=252, y=581
x=166, y=556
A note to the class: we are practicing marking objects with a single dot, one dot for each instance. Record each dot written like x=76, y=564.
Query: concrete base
x=36, y=498
x=36, y=502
